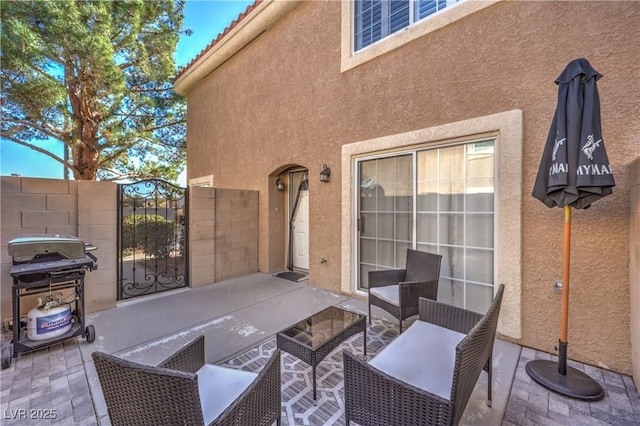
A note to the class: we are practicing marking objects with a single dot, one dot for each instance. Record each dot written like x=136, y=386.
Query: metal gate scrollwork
x=152, y=238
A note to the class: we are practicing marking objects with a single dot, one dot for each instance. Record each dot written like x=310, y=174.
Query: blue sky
x=206, y=18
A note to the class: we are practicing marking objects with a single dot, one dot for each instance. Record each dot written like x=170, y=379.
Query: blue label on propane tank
x=53, y=322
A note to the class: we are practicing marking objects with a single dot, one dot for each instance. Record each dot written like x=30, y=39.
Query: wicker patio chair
x=183, y=390
x=426, y=394
x=397, y=290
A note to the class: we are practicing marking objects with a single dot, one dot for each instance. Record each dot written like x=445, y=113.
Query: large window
x=376, y=19
x=439, y=200
x=491, y=143
x=386, y=213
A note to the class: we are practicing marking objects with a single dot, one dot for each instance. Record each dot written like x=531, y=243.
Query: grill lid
x=25, y=249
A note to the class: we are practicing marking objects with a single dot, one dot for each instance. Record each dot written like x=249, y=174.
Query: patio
x=242, y=313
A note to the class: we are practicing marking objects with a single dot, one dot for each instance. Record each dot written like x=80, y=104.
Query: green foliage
x=160, y=237
x=131, y=231
x=97, y=76
x=152, y=234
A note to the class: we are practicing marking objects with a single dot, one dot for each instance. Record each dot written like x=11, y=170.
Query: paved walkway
x=59, y=382
x=53, y=381
x=47, y=387
x=531, y=404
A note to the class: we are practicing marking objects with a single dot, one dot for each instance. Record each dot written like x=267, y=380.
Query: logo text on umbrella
x=590, y=146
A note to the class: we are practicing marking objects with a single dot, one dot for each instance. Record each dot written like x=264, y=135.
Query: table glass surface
x=322, y=326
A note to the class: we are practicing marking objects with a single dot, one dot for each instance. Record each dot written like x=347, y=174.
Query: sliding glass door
x=386, y=213
x=439, y=200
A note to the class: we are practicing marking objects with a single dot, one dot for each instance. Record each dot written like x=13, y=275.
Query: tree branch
x=113, y=156
x=160, y=143
x=143, y=90
x=128, y=115
x=40, y=150
x=117, y=175
x=163, y=126
x=145, y=59
x=52, y=133
x=140, y=115
x=24, y=95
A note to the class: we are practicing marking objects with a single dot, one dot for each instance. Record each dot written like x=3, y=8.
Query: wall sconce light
x=279, y=184
x=325, y=173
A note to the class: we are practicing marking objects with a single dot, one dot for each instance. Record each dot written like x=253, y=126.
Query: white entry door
x=300, y=231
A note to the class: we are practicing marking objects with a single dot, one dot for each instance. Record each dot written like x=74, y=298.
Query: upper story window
x=377, y=19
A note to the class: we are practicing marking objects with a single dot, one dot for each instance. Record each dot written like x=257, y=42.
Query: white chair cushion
x=389, y=293
x=423, y=356
x=219, y=387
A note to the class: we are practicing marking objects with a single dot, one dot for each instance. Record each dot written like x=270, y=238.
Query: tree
x=97, y=76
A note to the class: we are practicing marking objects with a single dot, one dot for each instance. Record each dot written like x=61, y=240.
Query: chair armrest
x=386, y=277
x=415, y=289
x=448, y=316
x=408, y=284
x=188, y=359
x=261, y=402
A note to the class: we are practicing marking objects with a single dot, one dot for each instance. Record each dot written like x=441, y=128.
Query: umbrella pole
x=564, y=319
x=568, y=382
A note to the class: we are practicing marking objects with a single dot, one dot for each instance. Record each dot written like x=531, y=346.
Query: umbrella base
x=575, y=384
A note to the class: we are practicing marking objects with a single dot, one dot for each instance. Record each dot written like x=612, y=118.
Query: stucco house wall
x=634, y=268
x=286, y=96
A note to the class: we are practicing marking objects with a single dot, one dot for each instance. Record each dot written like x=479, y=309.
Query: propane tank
x=48, y=320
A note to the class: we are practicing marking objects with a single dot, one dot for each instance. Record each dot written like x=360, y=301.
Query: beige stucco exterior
x=289, y=97
x=634, y=267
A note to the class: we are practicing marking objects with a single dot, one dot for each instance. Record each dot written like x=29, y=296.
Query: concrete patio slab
x=146, y=319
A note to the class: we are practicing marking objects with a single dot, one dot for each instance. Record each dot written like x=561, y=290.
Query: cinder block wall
x=236, y=233
x=202, y=204
x=634, y=270
x=97, y=224
x=223, y=231
x=53, y=206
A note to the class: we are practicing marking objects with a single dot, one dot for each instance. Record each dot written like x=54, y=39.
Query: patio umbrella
x=574, y=172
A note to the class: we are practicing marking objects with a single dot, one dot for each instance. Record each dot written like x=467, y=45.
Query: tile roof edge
x=219, y=37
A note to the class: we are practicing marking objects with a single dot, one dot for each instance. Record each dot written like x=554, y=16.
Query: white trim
x=507, y=130
x=206, y=181
x=414, y=152
x=449, y=15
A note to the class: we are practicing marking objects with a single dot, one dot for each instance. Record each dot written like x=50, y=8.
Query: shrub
x=131, y=231
x=150, y=233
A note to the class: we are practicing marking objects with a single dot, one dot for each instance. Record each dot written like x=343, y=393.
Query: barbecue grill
x=47, y=265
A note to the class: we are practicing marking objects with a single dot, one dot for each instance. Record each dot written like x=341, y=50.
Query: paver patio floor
x=237, y=314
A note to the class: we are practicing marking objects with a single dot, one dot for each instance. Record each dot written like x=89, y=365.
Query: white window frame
x=351, y=59
x=471, y=145
x=506, y=129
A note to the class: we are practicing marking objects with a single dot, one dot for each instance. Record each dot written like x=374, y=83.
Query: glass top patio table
x=322, y=326
x=313, y=338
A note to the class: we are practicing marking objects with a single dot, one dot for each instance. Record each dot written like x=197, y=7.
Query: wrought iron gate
x=152, y=238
